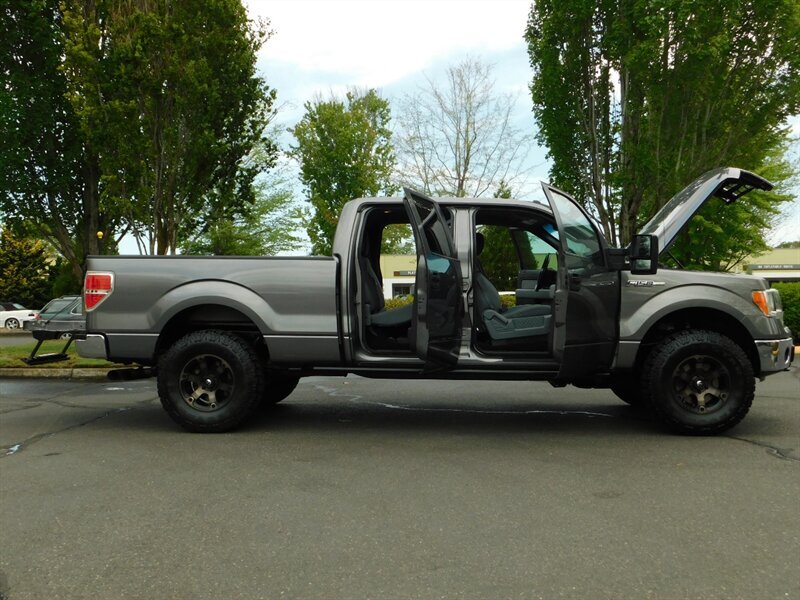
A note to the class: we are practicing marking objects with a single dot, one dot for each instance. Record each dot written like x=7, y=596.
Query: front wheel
x=12, y=323
x=698, y=382
x=210, y=381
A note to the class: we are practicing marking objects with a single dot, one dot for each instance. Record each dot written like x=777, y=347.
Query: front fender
x=642, y=308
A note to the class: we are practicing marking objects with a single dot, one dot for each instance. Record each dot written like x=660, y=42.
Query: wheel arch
x=210, y=316
x=210, y=304
x=710, y=319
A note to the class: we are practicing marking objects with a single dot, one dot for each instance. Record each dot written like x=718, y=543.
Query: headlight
x=769, y=301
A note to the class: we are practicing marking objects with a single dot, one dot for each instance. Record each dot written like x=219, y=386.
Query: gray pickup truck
x=227, y=334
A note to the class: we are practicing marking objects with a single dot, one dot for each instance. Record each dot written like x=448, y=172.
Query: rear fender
x=222, y=293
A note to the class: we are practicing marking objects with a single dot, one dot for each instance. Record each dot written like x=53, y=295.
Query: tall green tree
x=49, y=180
x=124, y=117
x=635, y=98
x=345, y=151
x=169, y=105
x=268, y=227
x=722, y=237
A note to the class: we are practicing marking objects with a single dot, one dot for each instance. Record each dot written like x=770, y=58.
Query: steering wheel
x=542, y=280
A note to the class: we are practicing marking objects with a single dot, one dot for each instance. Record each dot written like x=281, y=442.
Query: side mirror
x=643, y=254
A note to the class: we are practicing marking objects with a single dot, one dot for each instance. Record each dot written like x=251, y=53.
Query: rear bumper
x=775, y=355
x=92, y=346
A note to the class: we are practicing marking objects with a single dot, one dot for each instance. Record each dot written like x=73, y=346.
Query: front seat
x=505, y=323
x=372, y=296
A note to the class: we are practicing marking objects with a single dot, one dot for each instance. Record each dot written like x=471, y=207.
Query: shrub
x=508, y=300
x=790, y=296
x=398, y=302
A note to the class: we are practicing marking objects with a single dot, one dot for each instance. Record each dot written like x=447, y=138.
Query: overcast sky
x=323, y=47
x=320, y=48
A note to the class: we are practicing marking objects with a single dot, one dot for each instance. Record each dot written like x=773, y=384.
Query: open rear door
x=437, y=312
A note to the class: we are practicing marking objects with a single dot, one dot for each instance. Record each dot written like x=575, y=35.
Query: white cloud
x=374, y=43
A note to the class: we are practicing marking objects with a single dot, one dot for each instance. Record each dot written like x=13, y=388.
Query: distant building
x=398, y=272
x=780, y=264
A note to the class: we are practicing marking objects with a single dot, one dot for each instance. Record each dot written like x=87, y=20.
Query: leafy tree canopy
x=499, y=258
x=635, y=98
x=125, y=117
x=48, y=176
x=25, y=271
x=267, y=228
x=166, y=94
x=344, y=149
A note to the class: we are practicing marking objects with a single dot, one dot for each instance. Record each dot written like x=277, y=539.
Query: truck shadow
x=309, y=411
x=432, y=416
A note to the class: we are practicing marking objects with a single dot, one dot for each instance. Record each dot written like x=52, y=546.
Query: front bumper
x=775, y=355
x=92, y=346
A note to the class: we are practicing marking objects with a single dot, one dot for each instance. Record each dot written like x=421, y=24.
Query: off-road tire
x=278, y=388
x=192, y=363
x=688, y=366
x=11, y=323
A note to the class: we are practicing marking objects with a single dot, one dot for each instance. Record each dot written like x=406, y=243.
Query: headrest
x=479, y=240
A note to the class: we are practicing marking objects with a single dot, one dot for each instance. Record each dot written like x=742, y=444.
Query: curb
x=57, y=373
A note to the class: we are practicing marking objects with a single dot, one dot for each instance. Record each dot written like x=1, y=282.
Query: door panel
x=438, y=307
x=587, y=296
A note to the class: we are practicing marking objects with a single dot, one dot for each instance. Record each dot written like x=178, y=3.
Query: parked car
x=63, y=315
x=13, y=315
x=60, y=318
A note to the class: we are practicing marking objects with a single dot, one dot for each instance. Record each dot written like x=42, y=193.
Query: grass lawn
x=10, y=356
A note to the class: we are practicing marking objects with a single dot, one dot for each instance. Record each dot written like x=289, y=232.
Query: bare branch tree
x=456, y=138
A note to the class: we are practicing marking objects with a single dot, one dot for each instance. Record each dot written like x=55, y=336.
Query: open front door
x=587, y=292
x=438, y=308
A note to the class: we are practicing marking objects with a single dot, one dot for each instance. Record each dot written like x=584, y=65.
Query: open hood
x=727, y=183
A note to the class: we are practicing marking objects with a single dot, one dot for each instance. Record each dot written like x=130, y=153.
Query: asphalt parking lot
x=355, y=488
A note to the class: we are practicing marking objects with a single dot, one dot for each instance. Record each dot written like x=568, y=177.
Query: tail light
x=97, y=286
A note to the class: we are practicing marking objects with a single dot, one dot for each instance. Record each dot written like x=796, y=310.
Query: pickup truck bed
x=292, y=302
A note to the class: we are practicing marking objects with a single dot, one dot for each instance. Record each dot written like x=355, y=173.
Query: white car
x=13, y=315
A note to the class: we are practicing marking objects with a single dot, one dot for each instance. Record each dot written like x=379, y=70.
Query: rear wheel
x=699, y=382
x=210, y=381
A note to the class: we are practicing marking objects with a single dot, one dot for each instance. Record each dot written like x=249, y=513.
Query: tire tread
x=250, y=396
x=675, y=342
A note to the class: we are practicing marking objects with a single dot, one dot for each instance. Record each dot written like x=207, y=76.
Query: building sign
x=774, y=267
x=405, y=273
